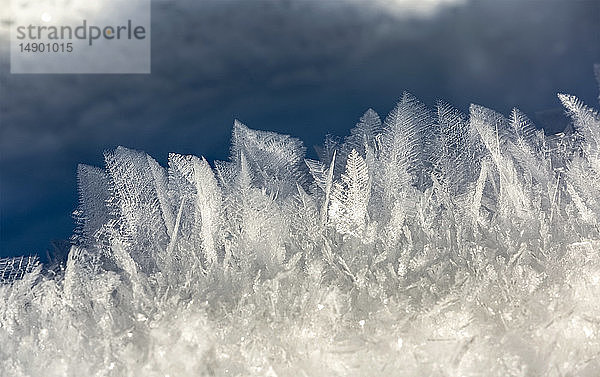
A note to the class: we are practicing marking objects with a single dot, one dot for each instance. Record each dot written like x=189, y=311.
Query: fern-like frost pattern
x=432, y=243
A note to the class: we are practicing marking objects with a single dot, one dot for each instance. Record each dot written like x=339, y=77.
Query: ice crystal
x=12, y=269
x=430, y=244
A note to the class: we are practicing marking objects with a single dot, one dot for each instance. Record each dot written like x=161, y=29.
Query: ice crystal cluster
x=430, y=244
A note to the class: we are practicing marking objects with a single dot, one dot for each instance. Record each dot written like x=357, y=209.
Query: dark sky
x=305, y=68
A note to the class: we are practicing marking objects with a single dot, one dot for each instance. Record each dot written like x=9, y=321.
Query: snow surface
x=430, y=244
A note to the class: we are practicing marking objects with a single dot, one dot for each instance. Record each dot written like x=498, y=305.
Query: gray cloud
x=300, y=67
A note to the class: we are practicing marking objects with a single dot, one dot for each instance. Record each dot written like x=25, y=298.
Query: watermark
x=80, y=36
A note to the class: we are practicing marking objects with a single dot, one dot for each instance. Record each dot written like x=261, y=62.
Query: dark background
x=305, y=68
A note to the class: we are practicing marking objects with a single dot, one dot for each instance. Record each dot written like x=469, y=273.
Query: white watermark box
x=80, y=36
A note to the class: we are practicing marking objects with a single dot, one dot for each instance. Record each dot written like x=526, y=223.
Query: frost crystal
x=16, y=268
x=432, y=243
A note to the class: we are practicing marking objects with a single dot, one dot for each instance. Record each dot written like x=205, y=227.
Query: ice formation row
x=430, y=244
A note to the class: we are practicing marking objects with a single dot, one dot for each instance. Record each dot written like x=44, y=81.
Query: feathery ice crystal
x=432, y=244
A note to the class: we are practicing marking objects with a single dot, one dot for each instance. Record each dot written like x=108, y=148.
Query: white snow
x=433, y=243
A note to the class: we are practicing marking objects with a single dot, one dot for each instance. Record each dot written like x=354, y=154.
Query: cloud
x=409, y=8
x=300, y=67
